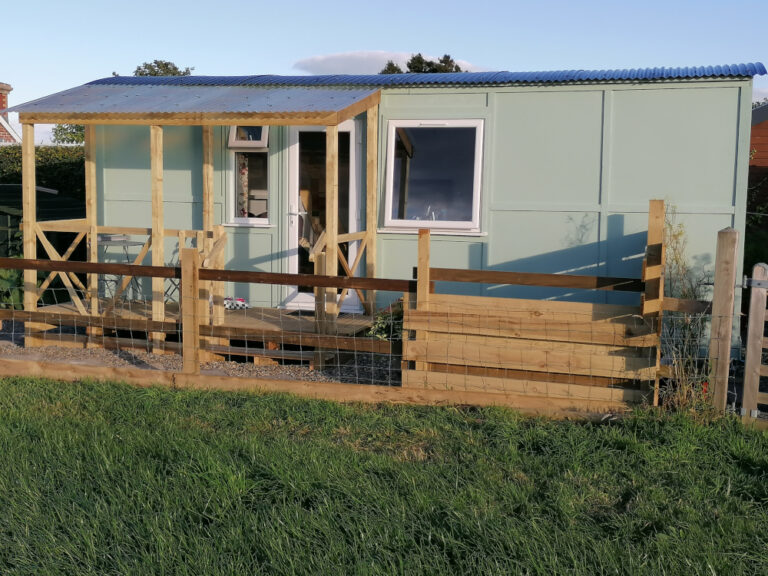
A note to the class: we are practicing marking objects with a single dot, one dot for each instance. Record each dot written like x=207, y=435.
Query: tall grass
x=110, y=479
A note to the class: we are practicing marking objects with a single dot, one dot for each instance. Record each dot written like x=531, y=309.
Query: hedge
x=58, y=167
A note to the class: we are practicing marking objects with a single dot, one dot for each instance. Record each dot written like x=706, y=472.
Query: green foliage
x=58, y=167
x=111, y=479
x=11, y=289
x=160, y=68
x=756, y=233
x=12, y=281
x=417, y=63
x=68, y=134
x=388, y=323
x=391, y=68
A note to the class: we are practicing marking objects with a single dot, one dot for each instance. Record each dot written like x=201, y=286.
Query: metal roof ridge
x=446, y=78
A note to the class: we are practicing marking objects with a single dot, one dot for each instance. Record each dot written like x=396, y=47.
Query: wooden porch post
x=190, y=272
x=158, y=228
x=91, y=214
x=205, y=246
x=371, y=199
x=331, y=221
x=207, y=180
x=29, y=212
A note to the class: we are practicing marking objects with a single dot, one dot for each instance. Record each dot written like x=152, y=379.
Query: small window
x=433, y=174
x=251, y=198
x=248, y=136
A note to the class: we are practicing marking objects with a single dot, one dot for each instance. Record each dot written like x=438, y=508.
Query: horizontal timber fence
x=544, y=357
x=592, y=355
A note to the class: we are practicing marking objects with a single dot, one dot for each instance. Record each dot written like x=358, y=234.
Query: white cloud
x=759, y=94
x=362, y=62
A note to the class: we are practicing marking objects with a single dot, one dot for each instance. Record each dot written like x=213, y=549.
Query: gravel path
x=353, y=368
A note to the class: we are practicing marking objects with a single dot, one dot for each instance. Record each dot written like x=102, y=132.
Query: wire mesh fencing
x=150, y=325
x=686, y=356
x=222, y=323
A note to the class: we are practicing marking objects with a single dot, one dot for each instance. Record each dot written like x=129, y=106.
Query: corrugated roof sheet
x=168, y=98
x=460, y=78
x=310, y=95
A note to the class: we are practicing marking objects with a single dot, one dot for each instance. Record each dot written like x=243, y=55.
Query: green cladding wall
x=566, y=178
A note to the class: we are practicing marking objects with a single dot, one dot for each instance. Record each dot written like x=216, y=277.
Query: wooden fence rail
x=540, y=350
x=539, y=355
x=312, y=280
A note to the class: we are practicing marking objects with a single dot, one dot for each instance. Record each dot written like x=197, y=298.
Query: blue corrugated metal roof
x=455, y=78
x=276, y=96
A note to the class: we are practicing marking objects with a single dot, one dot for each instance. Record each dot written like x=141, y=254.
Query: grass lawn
x=111, y=479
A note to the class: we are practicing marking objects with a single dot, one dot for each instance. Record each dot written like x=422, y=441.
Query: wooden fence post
x=422, y=285
x=755, y=341
x=653, y=276
x=422, y=279
x=190, y=311
x=722, y=316
x=321, y=326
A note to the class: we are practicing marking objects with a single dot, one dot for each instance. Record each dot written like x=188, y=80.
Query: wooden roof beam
x=354, y=109
x=323, y=118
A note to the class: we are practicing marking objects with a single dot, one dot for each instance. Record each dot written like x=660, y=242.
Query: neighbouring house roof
x=8, y=128
x=759, y=114
x=269, y=99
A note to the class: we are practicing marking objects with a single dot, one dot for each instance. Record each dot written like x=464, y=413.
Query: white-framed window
x=249, y=136
x=249, y=200
x=434, y=174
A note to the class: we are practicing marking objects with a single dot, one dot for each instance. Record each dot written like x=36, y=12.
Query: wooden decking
x=252, y=319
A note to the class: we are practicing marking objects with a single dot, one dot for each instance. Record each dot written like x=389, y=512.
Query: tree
x=417, y=63
x=161, y=68
x=391, y=68
x=75, y=133
x=68, y=134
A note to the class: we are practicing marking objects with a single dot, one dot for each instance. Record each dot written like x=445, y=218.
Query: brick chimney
x=5, y=136
x=4, y=89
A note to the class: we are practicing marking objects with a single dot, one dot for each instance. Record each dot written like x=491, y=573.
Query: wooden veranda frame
x=156, y=121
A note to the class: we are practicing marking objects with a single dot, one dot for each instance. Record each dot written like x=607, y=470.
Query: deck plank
x=258, y=319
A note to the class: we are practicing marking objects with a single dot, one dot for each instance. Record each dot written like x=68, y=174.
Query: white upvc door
x=306, y=185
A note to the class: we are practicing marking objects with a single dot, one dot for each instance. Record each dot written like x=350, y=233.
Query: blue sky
x=53, y=44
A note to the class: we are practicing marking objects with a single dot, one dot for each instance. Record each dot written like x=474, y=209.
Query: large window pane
x=434, y=174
